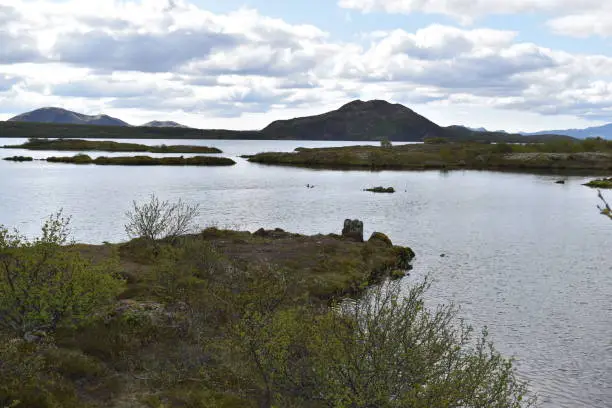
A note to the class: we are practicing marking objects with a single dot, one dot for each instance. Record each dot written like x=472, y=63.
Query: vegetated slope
x=604, y=131
x=59, y=115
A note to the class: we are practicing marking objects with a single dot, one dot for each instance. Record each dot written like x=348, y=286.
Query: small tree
x=161, y=219
x=44, y=284
x=385, y=142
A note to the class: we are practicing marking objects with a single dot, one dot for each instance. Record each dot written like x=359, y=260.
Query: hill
x=164, y=124
x=358, y=120
x=604, y=131
x=59, y=115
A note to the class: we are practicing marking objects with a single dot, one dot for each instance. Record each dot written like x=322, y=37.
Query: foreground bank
x=232, y=319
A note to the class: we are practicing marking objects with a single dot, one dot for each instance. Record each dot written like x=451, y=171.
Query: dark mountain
x=462, y=133
x=358, y=120
x=164, y=124
x=59, y=115
x=604, y=131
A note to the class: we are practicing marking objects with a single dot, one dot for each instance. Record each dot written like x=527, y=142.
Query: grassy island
x=600, y=183
x=19, y=158
x=145, y=160
x=230, y=319
x=380, y=189
x=590, y=154
x=107, y=146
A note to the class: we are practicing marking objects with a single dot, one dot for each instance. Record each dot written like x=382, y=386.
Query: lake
x=527, y=257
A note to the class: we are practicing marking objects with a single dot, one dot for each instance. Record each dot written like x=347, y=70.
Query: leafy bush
x=44, y=284
x=161, y=219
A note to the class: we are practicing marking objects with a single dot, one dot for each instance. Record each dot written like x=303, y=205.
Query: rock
x=379, y=237
x=442, y=255
x=560, y=182
x=353, y=229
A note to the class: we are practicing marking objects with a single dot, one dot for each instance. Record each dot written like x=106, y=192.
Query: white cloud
x=571, y=17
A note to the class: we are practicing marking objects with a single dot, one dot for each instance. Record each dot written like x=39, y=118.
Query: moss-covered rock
x=379, y=237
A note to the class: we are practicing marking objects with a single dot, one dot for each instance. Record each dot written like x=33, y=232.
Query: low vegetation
x=590, y=154
x=381, y=190
x=107, y=146
x=605, y=183
x=233, y=319
x=144, y=160
x=19, y=158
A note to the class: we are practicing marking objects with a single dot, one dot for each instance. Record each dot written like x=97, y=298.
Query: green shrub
x=44, y=284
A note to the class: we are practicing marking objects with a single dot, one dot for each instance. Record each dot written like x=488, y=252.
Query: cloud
x=165, y=57
x=570, y=17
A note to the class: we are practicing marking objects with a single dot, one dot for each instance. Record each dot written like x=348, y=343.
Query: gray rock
x=353, y=229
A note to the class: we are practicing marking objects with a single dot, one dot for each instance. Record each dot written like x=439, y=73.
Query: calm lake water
x=525, y=256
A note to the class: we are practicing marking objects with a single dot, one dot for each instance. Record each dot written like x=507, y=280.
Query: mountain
x=358, y=120
x=604, y=131
x=164, y=124
x=59, y=115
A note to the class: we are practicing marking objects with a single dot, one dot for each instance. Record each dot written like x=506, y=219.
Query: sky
x=516, y=65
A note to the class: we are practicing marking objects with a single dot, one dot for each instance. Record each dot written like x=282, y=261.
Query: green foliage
x=600, y=183
x=44, y=284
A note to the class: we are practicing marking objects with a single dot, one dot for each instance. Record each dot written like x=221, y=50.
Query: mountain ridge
x=604, y=131
x=355, y=121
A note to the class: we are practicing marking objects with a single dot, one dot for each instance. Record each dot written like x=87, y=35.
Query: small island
x=380, y=189
x=565, y=156
x=107, y=146
x=145, y=160
x=600, y=183
x=19, y=158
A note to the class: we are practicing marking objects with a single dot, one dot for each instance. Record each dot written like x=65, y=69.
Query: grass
x=145, y=160
x=107, y=146
x=590, y=154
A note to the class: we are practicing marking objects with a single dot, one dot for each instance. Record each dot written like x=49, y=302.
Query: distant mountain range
x=356, y=120
x=604, y=131
x=64, y=116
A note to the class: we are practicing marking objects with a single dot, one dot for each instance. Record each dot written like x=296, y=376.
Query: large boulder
x=353, y=229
